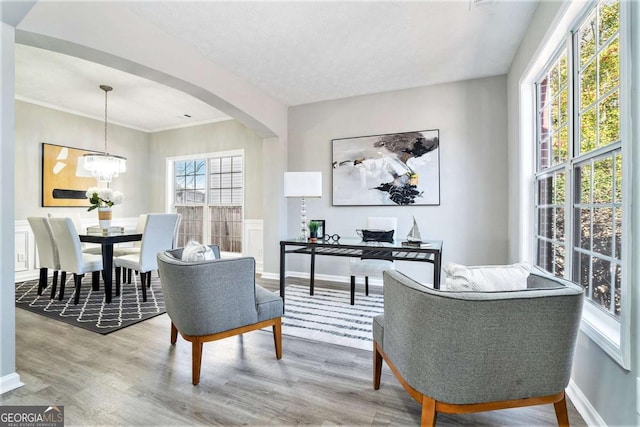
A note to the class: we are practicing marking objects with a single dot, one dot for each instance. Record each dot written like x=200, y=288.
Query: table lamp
x=303, y=184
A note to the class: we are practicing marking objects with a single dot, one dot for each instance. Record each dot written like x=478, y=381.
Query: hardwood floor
x=135, y=377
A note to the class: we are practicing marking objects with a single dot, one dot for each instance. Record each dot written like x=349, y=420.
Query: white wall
x=472, y=216
x=608, y=391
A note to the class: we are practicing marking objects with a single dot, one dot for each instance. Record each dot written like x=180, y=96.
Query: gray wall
x=221, y=136
x=610, y=389
x=36, y=124
x=472, y=216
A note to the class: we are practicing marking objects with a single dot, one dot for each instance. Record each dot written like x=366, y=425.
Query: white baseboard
x=583, y=406
x=10, y=382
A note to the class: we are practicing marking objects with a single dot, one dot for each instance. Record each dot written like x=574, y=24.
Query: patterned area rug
x=327, y=316
x=92, y=312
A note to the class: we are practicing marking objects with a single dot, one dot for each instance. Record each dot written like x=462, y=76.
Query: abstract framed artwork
x=390, y=169
x=60, y=185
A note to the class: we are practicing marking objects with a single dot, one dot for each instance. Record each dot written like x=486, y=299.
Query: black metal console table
x=430, y=251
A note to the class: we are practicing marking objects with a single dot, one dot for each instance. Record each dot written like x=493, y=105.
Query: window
x=209, y=193
x=579, y=160
x=226, y=195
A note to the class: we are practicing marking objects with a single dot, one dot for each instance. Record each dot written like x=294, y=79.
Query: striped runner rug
x=327, y=316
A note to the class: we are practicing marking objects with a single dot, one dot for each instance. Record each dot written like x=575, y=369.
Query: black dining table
x=107, y=241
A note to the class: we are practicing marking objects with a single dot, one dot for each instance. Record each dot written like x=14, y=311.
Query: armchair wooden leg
x=366, y=285
x=429, y=414
x=196, y=360
x=277, y=337
x=377, y=366
x=561, y=412
x=174, y=333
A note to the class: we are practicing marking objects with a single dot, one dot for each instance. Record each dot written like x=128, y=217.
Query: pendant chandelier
x=104, y=166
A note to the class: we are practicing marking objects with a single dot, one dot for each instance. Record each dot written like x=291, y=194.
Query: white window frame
x=612, y=335
x=169, y=179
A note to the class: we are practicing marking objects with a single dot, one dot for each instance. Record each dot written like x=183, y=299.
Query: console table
x=430, y=251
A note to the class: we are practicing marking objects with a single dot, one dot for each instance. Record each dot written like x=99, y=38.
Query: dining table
x=107, y=240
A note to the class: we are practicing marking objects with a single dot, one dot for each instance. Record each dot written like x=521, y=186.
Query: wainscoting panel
x=252, y=243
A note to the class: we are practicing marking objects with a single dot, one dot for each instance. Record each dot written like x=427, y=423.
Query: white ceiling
x=299, y=51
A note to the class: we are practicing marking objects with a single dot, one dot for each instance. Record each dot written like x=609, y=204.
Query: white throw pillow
x=486, y=278
x=194, y=251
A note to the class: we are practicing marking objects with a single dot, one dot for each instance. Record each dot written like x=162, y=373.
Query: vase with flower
x=103, y=199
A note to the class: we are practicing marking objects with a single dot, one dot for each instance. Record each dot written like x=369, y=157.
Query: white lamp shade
x=303, y=184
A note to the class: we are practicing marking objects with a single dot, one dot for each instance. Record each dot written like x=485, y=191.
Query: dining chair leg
x=63, y=279
x=53, y=289
x=78, y=281
x=62, y=283
x=54, y=282
x=143, y=285
x=42, y=283
x=353, y=290
x=148, y=279
x=366, y=285
x=95, y=280
x=118, y=273
x=128, y=276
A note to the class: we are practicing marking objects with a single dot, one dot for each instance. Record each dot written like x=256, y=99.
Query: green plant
x=313, y=226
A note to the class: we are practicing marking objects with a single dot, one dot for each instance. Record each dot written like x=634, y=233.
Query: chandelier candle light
x=104, y=166
x=303, y=184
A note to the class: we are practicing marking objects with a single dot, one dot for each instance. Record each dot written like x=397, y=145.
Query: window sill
x=604, y=331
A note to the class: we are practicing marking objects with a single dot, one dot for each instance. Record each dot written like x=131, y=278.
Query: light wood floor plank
x=135, y=377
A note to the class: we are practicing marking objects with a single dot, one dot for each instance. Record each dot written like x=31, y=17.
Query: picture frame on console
x=395, y=169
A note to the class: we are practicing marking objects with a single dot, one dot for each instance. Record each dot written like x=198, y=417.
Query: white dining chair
x=135, y=248
x=72, y=259
x=87, y=248
x=47, y=253
x=158, y=235
x=359, y=267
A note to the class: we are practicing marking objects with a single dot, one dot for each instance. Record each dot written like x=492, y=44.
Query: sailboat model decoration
x=414, y=233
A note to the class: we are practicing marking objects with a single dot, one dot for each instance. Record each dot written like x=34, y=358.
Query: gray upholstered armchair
x=211, y=300
x=457, y=352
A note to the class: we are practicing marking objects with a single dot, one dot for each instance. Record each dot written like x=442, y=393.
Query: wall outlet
x=20, y=257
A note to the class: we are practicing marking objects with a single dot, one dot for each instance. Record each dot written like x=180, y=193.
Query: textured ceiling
x=303, y=52
x=299, y=52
